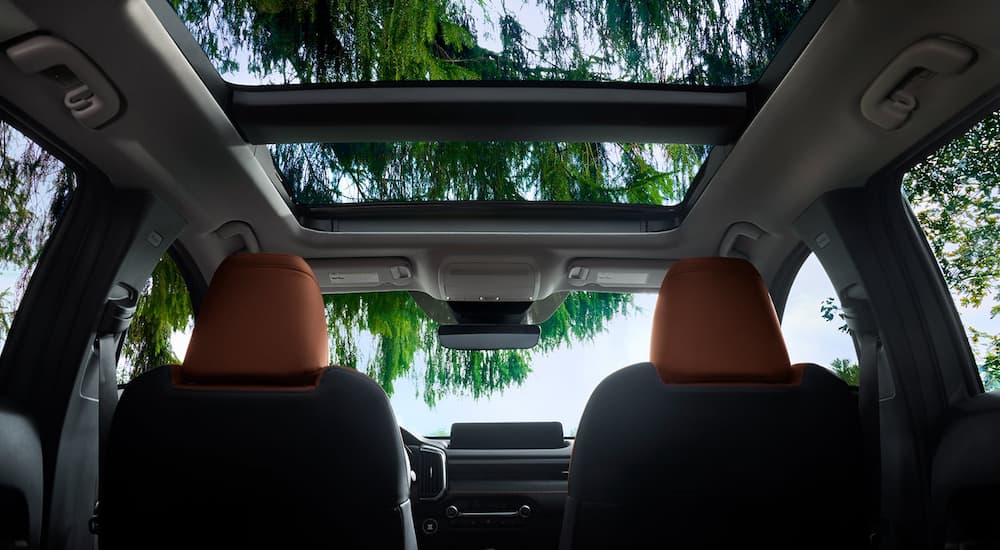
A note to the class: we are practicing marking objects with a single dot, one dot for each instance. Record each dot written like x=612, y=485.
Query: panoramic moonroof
x=318, y=174
x=695, y=42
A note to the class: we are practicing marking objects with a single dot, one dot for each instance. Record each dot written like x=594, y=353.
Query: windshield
x=388, y=336
x=317, y=174
x=694, y=42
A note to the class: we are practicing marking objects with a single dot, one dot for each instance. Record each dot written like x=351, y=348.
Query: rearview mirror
x=487, y=337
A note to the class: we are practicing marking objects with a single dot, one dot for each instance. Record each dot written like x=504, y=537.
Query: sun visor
x=616, y=274
x=362, y=274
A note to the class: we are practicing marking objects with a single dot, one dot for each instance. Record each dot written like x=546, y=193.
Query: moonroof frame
x=493, y=216
x=503, y=110
x=494, y=111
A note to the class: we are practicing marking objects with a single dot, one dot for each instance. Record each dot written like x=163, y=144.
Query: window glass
x=389, y=337
x=694, y=42
x=955, y=195
x=35, y=188
x=813, y=329
x=161, y=327
x=318, y=174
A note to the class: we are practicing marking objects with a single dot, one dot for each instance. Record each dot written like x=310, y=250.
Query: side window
x=161, y=326
x=955, y=195
x=813, y=329
x=35, y=189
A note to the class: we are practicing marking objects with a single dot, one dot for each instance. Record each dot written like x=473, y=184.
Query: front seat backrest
x=719, y=442
x=252, y=442
x=965, y=478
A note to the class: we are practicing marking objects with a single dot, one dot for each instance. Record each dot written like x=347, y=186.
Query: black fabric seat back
x=672, y=466
x=256, y=469
x=719, y=442
x=965, y=483
x=252, y=442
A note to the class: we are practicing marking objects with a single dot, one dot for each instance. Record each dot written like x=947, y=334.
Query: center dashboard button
x=429, y=526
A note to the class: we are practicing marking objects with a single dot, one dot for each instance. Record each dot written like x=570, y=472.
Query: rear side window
x=813, y=328
x=35, y=189
x=161, y=326
x=955, y=195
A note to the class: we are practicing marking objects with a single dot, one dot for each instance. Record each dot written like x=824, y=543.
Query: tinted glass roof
x=317, y=174
x=695, y=42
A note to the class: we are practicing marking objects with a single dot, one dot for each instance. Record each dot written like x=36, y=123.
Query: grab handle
x=893, y=96
x=89, y=95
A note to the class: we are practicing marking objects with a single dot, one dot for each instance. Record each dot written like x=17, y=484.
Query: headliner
x=809, y=137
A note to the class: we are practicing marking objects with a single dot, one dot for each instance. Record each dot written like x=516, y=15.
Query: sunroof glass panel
x=317, y=174
x=695, y=42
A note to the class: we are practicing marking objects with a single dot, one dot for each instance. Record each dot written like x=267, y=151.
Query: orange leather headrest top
x=262, y=322
x=715, y=324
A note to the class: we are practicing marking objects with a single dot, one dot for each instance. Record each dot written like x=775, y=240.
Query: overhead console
x=491, y=485
x=489, y=281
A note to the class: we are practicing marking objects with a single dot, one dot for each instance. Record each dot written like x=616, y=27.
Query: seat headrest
x=262, y=322
x=715, y=324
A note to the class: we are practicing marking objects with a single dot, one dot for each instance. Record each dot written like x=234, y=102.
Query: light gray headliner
x=175, y=141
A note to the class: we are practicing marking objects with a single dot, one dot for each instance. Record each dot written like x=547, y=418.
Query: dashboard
x=490, y=486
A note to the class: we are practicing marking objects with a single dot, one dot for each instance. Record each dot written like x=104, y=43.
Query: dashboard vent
x=432, y=478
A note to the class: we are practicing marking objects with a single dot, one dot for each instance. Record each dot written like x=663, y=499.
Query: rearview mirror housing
x=488, y=337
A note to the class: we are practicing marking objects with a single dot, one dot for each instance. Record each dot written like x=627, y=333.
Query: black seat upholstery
x=966, y=475
x=251, y=443
x=719, y=442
